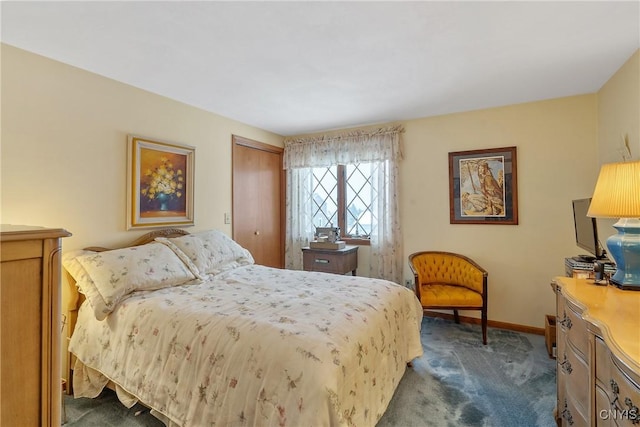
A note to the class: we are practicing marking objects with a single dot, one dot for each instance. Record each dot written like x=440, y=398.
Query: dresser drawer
x=576, y=329
x=622, y=394
x=603, y=417
x=576, y=378
x=571, y=416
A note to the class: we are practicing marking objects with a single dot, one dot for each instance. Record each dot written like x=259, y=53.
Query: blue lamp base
x=624, y=247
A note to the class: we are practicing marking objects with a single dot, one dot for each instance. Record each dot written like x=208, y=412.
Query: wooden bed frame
x=76, y=298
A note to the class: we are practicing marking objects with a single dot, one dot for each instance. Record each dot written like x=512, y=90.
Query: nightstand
x=338, y=261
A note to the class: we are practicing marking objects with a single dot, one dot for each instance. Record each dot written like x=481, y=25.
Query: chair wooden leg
x=456, y=317
x=484, y=329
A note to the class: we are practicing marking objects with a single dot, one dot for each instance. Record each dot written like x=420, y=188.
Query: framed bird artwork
x=483, y=186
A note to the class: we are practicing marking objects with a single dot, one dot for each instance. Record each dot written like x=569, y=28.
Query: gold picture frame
x=160, y=183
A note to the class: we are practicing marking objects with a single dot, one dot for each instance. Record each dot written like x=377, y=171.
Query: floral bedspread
x=256, y=346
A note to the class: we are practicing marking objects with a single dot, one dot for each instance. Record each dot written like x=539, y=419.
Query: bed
x=191, y=327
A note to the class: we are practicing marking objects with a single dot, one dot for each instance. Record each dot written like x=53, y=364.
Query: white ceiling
x=300, y=67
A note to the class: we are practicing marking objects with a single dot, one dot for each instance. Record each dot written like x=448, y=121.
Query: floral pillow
x=117, y=273
x=84, y=283
x=212, y=252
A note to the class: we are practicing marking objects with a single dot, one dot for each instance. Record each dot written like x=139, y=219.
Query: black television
x=586, y=230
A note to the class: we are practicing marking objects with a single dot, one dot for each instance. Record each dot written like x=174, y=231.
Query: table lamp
x=617, y=195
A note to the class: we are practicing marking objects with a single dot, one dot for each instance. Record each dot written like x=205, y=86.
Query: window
x=359, y=197
x=342, y=196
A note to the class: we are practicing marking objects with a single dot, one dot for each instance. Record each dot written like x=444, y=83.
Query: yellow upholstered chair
x=444, y=280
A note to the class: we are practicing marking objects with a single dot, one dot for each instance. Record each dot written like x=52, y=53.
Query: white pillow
x=84, y=283
x=211, y=252
x=117, y=273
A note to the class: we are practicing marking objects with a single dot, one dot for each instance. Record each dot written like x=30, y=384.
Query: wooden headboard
x=76, y=299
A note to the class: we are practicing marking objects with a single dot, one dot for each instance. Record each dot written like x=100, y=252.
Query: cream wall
x=619, y=112
x=556, y=162
x=619, y=116
x=64, y=149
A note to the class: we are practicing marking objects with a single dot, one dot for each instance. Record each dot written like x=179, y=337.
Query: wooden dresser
x=30, y=326
x=598, y=354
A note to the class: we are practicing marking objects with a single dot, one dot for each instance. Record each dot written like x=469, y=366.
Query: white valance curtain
x=353, y=147
x=382, y=147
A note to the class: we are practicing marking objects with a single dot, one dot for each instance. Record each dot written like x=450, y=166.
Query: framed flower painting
x=159, y=183
x=483, y=186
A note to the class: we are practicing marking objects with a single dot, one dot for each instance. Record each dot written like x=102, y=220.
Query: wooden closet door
x=258, y=200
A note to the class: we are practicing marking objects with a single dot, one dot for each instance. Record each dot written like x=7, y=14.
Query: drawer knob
x=566, y=365
x=566, y=321
x=321, y=261
x=632, y=410
x=566, y=414
x=614, y=388
x=257, y=233
x=634, y=415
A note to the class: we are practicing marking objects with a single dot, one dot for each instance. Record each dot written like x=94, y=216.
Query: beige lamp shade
x=617, y=192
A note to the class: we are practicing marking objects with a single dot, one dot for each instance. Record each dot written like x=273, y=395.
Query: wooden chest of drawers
x=339, y=261
x=30, y=381
x=598, y=341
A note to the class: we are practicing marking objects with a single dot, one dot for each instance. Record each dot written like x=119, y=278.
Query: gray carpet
x=457, y=382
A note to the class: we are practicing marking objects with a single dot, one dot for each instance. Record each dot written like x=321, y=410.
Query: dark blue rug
x=457, y=382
